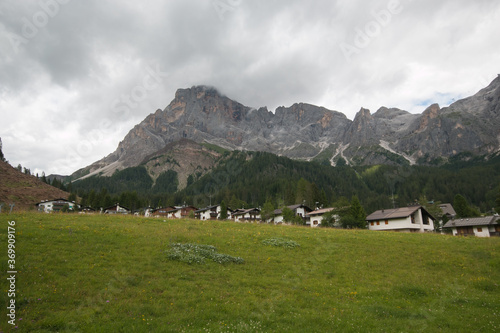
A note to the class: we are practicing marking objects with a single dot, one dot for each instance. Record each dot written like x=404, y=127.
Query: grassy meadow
x=96, y=273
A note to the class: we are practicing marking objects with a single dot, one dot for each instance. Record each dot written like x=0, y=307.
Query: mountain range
x=468, y=127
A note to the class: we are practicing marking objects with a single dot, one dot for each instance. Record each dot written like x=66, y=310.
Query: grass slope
x=100, y=273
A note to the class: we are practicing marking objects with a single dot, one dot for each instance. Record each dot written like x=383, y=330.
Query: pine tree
x=2, y=158
x=267, y=211
x=223, y=210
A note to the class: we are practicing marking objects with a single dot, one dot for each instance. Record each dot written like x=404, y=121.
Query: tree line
x=253, y=179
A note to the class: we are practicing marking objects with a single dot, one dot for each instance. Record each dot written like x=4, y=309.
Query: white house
x=210, y=213
x=180, y=212
x=245, y=215
x=55, y=205
x=116, y=209
x=478, y=226
x=405, y=219
x=315, y=217
x=298, y=210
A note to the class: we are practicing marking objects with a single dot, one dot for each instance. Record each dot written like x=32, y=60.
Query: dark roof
x=206, y=208
x=115, y=205
x=293, y=207
x=60, y=199
x=473, y=221
x=397, y=213
x=244, y=211
x=448, y=209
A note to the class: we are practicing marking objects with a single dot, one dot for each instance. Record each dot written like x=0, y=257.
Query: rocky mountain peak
x=306, y=131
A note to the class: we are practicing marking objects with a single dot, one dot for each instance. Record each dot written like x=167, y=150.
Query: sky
x=76, y=76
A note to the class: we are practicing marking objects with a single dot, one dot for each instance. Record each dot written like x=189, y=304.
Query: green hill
x=96, y=273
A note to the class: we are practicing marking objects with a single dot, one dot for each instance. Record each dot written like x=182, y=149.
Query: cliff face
x=304, y=131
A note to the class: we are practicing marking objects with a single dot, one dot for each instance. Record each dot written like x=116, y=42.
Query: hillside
x=114, y=274
x=24, y=190
x=252, y=178
x=304, y=131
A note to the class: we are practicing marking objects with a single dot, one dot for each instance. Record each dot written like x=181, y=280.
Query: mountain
x=24, y=190
x=308, y=132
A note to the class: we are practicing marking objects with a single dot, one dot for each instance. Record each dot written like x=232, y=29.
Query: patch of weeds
x=197, y=253
x=281, y=242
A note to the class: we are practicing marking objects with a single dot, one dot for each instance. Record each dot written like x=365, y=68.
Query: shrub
x=197, y=253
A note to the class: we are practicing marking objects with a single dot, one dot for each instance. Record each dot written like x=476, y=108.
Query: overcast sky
x=76, y=76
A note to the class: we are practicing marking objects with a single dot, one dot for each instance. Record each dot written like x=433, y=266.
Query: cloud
x=67, y=65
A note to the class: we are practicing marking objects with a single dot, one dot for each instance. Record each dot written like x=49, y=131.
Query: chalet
x=479, y=226
x=116, y=209
x=245, y=215
x=87, y=210
x=448, y=211
x=315, y=217
x=405, y=219
x=210, y=213
x=162, y=211
x=55, y=205
x=181, y=212
x=299, y=210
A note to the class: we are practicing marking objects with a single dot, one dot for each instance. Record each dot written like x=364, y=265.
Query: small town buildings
x=478, y=226
x=162, y=211
x=246, y=215
x=181, y=212
x=298, y=210
x=211, y=213
x=405, y=219
x=116, y=209
x=315, y=217
x=55, y=205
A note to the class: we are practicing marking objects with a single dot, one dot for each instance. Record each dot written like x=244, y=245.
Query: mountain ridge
x=305, y=131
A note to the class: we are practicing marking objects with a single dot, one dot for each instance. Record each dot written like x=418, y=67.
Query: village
x=413, y=218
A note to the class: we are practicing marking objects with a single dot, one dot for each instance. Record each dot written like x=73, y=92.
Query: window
x=479, y=229
x=371, y=223
x=378, y=223
x=386, y=221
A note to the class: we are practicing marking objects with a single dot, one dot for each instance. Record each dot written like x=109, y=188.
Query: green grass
x=112, y=274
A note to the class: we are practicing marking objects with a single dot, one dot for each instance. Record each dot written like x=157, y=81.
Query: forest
x=250, y=179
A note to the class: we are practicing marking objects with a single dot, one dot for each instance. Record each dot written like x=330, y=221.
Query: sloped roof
x=320, y=211
x=448, y=209
x=397, y=213
x=244, y=211
x=279, y=211
x=473, y=221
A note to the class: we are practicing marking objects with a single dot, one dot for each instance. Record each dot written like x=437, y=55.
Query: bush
x=196, y=254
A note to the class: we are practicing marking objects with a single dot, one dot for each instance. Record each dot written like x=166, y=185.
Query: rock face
x=305, y=131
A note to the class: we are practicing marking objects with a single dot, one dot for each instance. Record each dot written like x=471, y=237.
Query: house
x=55, y=205
x=181, y=212
x=210, y=213
x=162, y=211
x=448, y=211
x=116, y=209
x=298, y=210
x=87, y=210
x=245, y=215
x=315, y=217
x=405, y=219
x=478, y=226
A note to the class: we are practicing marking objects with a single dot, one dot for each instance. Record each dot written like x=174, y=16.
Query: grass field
x=98, y=273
